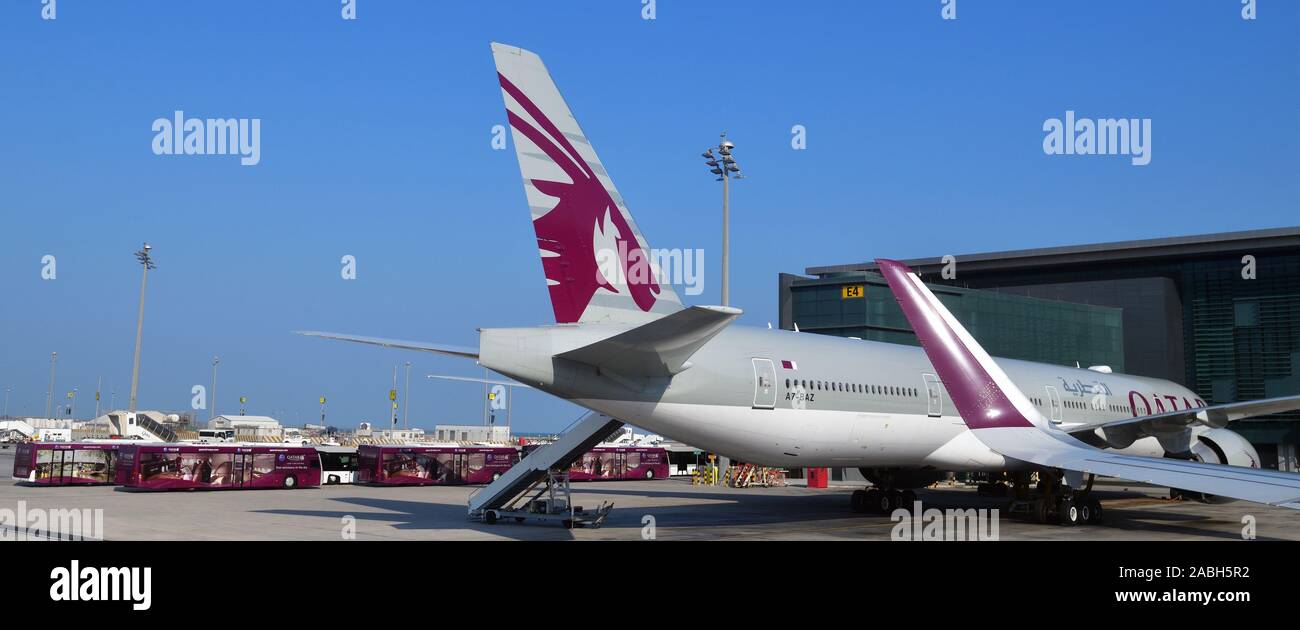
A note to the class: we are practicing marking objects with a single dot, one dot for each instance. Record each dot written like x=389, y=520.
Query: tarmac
x=670, y=509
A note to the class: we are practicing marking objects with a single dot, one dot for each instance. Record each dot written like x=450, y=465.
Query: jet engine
x=1217, y=446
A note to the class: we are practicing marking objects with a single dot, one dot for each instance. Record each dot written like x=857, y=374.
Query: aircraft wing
x=455, y=351
x=1121, y=433
x=1061, y=451
x=1005, y=420
x=659, y=348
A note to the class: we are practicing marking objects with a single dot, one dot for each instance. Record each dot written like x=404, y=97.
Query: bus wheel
x=496, y=476
x=650, y=474
x=290, y=481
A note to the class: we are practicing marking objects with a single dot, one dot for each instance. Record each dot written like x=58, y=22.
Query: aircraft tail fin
x=598, y=266
x=982, y=392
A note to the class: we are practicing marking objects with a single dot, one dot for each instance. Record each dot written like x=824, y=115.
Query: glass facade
x=1012, y=326
x=1217, y=313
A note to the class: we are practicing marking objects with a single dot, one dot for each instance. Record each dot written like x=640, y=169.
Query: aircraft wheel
x=859, y=501
x=1068, y=513
x=1042, y=511
x=874, y=500
x=908, y=498
x=1094, y=511
x=490, y=517
x=895, y=501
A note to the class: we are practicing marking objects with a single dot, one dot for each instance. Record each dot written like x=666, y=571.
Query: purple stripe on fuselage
x=978, y=398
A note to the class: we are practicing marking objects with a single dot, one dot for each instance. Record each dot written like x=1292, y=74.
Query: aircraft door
x=764, y=384
x=933, y=396
x=1054, y=403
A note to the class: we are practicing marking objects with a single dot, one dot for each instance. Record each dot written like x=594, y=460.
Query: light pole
x=49, y=394
x=406, y=399
x=73, y=411
x=146, y=262
x=724, y=166
x=212, y=400
x=7, y=390
x=392, y=396
x=99, y=386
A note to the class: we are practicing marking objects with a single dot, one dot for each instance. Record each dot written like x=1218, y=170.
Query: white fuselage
x=790, y=399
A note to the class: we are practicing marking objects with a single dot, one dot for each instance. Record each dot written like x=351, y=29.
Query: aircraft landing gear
x=1056, y=503
x=881, y=501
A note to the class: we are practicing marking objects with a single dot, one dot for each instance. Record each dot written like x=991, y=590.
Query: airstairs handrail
x=577, y=439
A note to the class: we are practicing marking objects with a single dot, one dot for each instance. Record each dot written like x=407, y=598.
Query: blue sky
x=924, y=138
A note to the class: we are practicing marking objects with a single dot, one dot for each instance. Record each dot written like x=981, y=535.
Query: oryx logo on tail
x=597, y=265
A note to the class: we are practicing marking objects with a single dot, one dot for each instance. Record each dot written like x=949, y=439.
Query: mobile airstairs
x=538, y=486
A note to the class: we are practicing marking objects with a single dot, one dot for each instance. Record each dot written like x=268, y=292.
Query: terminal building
x=1218, y=313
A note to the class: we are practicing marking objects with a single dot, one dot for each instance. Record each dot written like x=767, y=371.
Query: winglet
x=982, y=392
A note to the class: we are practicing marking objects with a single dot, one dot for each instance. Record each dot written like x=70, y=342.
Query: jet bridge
x=516, y=483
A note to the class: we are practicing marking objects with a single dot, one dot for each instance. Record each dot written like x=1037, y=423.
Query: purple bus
x=433, y=465
x=66, y=463
x=218, y=466
x=620, y=462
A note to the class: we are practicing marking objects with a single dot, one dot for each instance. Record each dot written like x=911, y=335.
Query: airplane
x=623, y=344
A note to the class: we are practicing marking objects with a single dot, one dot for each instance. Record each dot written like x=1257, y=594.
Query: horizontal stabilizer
x=487, y=381
x=436, y=348
x=659, y=348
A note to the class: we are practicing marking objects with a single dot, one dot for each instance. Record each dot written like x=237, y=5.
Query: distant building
x=471, y=433
x=250, y=428
x=1218, y=313
x=399, y=435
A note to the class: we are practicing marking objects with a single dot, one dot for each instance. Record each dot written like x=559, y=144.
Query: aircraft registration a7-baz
x=626, y=347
